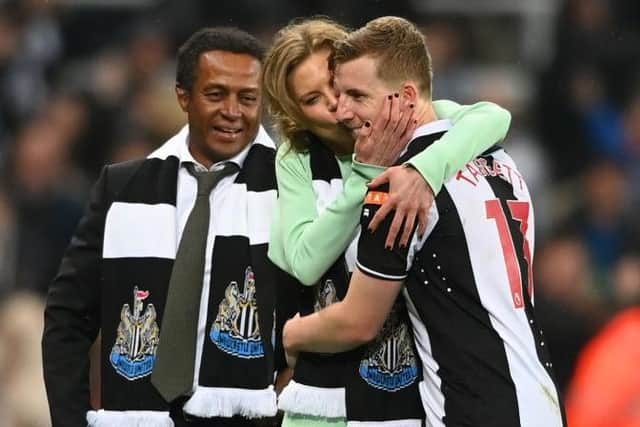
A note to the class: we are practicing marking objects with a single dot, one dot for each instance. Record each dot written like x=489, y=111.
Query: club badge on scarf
x=390, y=363
x=236, y=329
x=137, y=337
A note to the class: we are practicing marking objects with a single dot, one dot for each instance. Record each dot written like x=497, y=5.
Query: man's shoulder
x=145, y=170
x=127, y=168
x=116, y=175
x=124, y=168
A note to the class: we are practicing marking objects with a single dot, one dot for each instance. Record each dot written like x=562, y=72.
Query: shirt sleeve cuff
x=432, y=174
x=366, y=170
x=379, y=275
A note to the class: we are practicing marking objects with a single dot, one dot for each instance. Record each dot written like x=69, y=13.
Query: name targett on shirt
x=480, y=167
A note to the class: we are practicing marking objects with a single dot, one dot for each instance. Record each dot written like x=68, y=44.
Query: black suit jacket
x=88, y=292
x=74, y=306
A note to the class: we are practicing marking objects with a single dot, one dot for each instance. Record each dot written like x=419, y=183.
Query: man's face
x=361, y=92
x=223, y=107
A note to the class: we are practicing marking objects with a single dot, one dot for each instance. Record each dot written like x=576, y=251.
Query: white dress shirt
x=185, y=200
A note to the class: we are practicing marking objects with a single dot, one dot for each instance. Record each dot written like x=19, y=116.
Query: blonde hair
x=398, y=46
x=291, y=46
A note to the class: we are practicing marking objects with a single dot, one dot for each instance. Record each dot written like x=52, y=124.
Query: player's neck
x=425, y=113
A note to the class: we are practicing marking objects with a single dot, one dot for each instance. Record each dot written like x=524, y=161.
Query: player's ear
x=409, y=92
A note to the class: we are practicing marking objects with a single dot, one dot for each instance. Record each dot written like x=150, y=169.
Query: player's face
x=312, y=86
x=223, y=107
x=361, y=92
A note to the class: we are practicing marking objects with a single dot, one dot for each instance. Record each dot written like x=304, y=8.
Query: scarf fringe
x=209, y=402
x=102, y=418
x=309, y=400
x=394, y=423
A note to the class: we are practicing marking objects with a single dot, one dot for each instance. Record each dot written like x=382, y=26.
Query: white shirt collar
x=432, y=127
x=186, y=157
x=428, y=129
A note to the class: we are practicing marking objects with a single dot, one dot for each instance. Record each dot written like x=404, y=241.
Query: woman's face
x=312, y=88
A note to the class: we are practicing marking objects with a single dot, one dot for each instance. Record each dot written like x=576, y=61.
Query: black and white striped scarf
x=374, y=384
x=140, y=244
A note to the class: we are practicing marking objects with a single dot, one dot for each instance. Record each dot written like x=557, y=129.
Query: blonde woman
x=322, y=173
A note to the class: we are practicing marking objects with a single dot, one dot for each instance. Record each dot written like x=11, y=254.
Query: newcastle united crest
x=134, y=351
x=236, y=329
x=390, y=362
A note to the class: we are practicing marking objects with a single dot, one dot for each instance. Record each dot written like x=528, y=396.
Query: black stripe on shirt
x=473, y=367
x=373, y=258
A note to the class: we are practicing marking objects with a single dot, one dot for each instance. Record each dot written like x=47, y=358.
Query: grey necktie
x=175, y=357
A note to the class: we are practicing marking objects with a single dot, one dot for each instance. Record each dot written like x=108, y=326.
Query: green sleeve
x=475, y=129
x=303, y=243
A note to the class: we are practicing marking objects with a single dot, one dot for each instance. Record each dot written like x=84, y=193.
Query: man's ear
x=409, y=92
x=183, y=97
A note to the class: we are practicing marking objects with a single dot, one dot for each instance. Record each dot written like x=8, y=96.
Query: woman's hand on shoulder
x=410, y=196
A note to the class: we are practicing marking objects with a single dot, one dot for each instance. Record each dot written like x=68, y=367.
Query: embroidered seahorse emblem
x=390, y=362
x=236, y=329
x=134, y=351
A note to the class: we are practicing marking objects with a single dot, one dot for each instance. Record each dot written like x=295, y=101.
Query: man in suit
x=126, y=272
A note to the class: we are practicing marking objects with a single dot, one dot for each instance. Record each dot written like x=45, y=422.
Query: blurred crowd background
x=89, y=82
